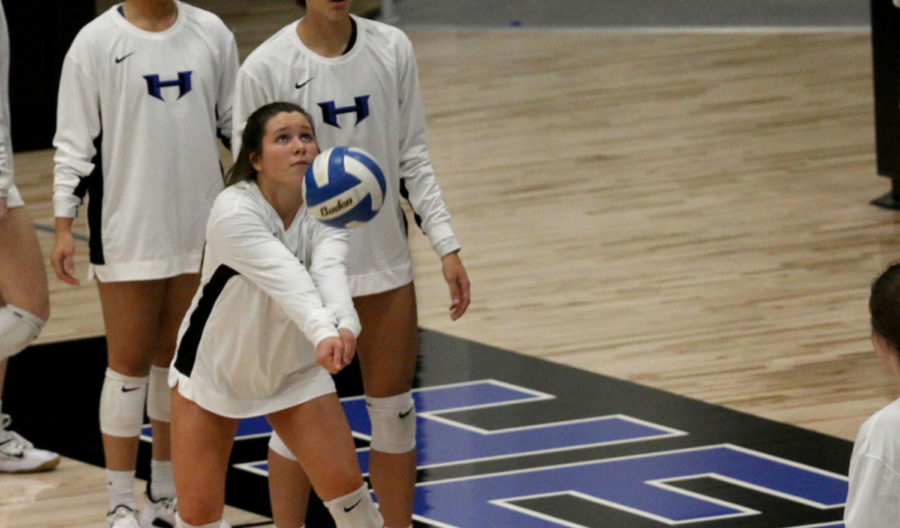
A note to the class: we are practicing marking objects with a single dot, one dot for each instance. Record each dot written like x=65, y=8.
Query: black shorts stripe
x=187, y=349
x=93, y=186
x=404, y=193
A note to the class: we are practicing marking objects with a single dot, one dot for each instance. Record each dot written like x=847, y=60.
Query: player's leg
x=131, y=312
x=23, y=283
x=318, y=435
x=388, y=347
x=288, y=486
x=24, y=307
x=201, y=444
x=160, y=492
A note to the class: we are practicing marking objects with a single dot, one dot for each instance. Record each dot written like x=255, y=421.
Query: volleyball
x=344, y=187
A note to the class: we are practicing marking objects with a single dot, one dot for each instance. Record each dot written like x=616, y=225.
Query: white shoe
x=158, y=513
x=122, y=517
x=18, y=455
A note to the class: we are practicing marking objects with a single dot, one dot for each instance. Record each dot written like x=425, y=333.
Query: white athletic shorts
x=13, y=198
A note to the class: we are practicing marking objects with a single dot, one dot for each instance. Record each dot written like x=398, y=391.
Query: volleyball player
x=873, y=499
x=145, y=90
x=24, y=300
x=359, y=79
x=273, y=317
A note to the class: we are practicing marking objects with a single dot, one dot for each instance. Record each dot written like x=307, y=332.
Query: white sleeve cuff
x=442, y=239
x=446, y=246
x=352, y=324
x=65, y=206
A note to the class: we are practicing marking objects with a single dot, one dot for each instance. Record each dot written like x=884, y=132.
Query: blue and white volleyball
x=344, y=187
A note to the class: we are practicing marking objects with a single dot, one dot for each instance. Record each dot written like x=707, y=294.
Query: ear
x=886, y=352
x=255, y=162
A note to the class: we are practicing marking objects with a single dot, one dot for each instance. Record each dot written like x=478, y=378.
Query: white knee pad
x=122, y=404
x=158, y=401
x=393, y=423
x=277, y=444
x=18, y=328
x=355, y=510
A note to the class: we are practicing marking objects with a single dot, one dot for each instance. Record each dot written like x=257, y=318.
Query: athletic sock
x=120, y=488
x=161, y=482
x=179, y=523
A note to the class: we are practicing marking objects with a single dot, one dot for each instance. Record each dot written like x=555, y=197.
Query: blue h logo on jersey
x=330, y=111
x=155, y=86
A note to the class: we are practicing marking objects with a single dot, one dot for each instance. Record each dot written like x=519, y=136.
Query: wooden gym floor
x=684, y=210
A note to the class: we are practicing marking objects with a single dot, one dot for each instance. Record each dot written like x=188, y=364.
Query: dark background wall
x=886, y=74
x=40, y=32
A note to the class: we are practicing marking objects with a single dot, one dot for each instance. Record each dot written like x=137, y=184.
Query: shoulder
x=207, y=27
x=234, y=201
x=207, y=19
x=384, y=36
x=274, y=48
x=887, y=417
x=880, y=433
x=100, y=29
x=380, y=30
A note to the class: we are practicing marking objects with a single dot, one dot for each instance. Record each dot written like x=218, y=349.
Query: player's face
x=288, y=148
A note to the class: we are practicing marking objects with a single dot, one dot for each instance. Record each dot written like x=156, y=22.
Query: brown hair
x=251, y=139
x=884, y=304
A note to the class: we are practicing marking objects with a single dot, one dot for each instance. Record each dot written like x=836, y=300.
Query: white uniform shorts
x=13, y=198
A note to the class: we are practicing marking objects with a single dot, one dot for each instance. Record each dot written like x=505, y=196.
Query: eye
x=307, y=138
x=283, y=138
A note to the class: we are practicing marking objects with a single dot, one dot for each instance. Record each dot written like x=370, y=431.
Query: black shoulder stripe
x=187, y=349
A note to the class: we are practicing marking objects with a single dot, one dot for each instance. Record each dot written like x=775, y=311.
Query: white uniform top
x=367, y=98
x=267, y=296
x=7, y=185
x=136, y=128
x=873, y=500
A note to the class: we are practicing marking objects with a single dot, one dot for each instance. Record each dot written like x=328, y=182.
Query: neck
x=325, y=36
x=285, y=200
x=151, y=15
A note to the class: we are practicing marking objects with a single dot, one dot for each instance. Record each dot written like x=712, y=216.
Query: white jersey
x=873, y=500
x=268, y=294
x=137, y=123
x=7, y=185
x=367, y=98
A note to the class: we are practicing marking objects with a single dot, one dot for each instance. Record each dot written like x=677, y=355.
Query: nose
x=298, y=146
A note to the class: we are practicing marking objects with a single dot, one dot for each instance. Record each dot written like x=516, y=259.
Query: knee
x=393, y=423
x=122, y=404
x=18, y=328
x=133, y=363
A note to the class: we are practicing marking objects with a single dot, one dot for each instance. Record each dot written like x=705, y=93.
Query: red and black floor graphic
x=510, y=441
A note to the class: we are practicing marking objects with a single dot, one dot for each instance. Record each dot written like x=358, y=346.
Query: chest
x=177, y=69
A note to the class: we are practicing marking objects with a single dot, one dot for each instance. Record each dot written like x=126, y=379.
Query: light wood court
x=688, y=211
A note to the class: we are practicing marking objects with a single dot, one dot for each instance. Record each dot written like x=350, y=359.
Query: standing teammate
x=274, y=303
x=873, y=500
x=359, y=80
x=146, y=88
x=24, y=300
